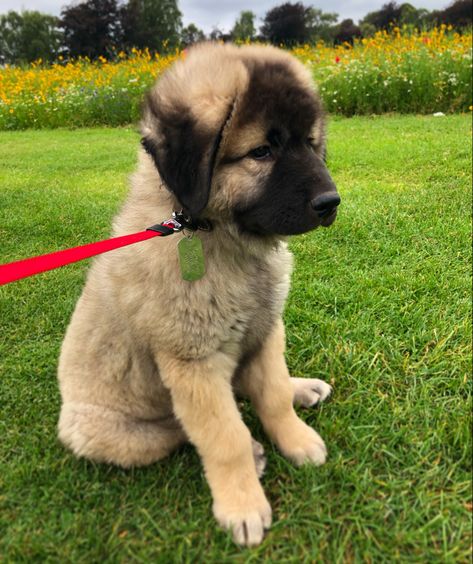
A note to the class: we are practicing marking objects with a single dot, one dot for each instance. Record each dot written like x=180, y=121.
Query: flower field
x=78, y=93
x=400, y=71
x=395, y=72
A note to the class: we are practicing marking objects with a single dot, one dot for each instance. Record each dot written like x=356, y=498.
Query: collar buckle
x=179, y=222
x=186, y=222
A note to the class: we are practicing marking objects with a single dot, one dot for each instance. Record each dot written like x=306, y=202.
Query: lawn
x=380, y=307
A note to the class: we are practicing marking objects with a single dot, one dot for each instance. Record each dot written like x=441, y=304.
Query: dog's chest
x=232, y=310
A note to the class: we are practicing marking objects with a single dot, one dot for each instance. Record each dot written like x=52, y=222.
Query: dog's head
x=238, y=133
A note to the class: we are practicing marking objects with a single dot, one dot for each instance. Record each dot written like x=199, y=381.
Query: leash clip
x=167, y=227
x=187, y=222
x=179, y=222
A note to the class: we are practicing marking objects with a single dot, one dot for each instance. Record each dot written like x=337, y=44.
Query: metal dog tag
x=191, y=258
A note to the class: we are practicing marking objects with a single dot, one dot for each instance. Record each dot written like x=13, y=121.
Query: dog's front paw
x=301, y=444
x=248, y=518
x=310, y=391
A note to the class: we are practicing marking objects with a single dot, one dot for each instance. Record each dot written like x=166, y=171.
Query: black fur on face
x=295, y=173
x=284, y=205
x=185, y=156
x=276, y=95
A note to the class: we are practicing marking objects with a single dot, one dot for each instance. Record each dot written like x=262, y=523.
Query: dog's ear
x=183, y=151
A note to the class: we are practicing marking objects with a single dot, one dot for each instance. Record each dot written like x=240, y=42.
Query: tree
x=28, y=36
x=155, y=24
x=320, y=24
x=412, y=16
x=389, y=13
x=346, y=32
x=286, y=24
x=91, y=28
x=458, y=14
x=191, y=34
x=244, y=28
x=367, y=29
x=290, y=24
x=397, y=14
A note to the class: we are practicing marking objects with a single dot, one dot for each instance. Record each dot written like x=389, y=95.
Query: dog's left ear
x=183, y=151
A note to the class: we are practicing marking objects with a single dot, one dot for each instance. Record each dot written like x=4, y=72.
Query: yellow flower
x=40, y=85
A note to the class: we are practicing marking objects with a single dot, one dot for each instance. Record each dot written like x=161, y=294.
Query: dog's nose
x=325, y=203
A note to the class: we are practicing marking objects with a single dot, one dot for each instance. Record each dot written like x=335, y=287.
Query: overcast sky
x=207, y=14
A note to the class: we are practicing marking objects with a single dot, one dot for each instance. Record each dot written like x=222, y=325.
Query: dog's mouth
x=291, y=220
x=329, y=218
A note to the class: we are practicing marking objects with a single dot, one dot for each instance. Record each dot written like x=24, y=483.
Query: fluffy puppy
x=234, y=137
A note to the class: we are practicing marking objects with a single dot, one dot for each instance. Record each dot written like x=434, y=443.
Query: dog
x=233, y=140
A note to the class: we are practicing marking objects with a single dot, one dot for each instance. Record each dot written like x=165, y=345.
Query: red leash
x=28, y=267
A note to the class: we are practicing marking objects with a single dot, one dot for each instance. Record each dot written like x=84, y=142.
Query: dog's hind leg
x=104, y=435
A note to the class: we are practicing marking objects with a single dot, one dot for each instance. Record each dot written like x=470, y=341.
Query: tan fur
x=271, y=390
x=149, y=359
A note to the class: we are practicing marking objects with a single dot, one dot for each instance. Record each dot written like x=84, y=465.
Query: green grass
x=380, y=306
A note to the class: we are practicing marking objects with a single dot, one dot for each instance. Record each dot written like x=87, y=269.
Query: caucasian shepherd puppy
x=156, y=351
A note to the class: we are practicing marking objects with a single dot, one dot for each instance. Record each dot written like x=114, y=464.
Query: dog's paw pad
x=259, y=457
x=310, y=391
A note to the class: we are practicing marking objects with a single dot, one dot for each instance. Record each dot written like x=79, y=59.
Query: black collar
x=190, y=223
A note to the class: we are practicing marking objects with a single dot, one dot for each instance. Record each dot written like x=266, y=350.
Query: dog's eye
x=311, y=142
x=260, y=153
